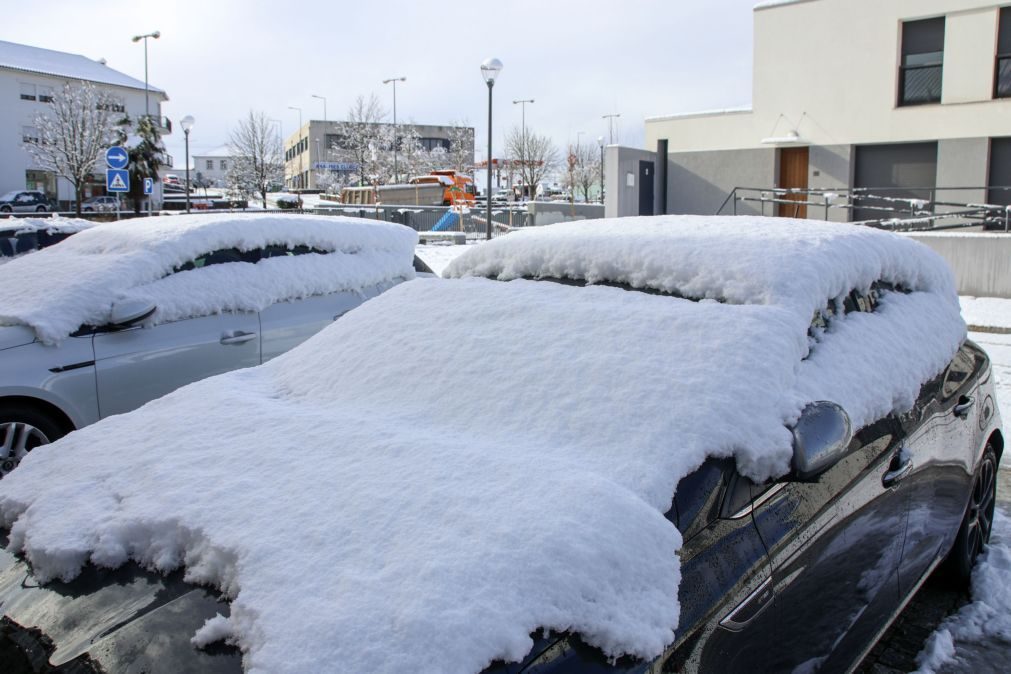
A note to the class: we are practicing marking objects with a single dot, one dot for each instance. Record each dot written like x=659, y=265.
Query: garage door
x=903, y=171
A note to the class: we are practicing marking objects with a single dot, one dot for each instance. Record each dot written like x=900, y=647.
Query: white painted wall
x=16, y=114
x=829, y=70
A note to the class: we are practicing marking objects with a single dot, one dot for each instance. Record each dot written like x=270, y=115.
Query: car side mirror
x=129, y=312
x=820, y=438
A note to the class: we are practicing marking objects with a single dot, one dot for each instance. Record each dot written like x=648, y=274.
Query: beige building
x=899, y=97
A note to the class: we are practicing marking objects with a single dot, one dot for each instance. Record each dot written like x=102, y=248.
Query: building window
x=210, y=164
x=223, y=164
x=999, y=187
x=922, y=61
x=45, y=94
x=1002, y=78
x=29, y=134
x=28, y=92
x=113, y=107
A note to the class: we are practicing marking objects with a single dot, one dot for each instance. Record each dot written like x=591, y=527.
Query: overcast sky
x=578, y=60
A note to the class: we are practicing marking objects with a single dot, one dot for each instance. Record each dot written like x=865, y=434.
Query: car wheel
x=40, y=209
x=974, y=533
x=5, y=209
x=22, y=429
x=87, y=209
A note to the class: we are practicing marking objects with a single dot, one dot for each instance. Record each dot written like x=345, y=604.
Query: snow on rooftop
x=457, y=464
x=60, y=288
x=700, y=113
x=767, y=4
x=61, y=64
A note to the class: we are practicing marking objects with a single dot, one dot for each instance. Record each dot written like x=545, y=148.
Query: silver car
x=125, y=312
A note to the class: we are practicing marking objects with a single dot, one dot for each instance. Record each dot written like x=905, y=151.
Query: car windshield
x=9, y=196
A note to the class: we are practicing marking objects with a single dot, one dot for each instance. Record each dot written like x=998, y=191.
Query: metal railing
x=901, y=208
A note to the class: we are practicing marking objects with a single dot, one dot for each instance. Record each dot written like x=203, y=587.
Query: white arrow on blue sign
x=117, y=180
x=148, y=185
x=116, y=157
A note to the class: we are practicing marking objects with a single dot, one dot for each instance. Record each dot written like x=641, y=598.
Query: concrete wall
x=621, y=193
x=550, y=212
x=699, y=182
x=979, y=261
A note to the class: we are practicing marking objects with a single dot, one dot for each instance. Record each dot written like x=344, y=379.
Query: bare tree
x=535, y=156
x=75, y=129
x=257, y=160
x=365, y=140
x=461, y=147
x=583, y=170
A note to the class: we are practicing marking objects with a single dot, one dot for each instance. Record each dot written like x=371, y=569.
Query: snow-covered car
x=24, y=235
x=122, y=313
x=24, y=201
x=637, y=445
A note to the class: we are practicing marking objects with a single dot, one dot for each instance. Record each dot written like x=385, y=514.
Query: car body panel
x=140, y=364
x=62, y=376
x=285, y=325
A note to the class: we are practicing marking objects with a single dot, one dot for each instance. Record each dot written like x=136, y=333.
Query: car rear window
x=225, y=255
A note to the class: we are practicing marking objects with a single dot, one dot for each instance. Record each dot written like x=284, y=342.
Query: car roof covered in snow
x=742, y=260
x=465, y=462
x=57, y=290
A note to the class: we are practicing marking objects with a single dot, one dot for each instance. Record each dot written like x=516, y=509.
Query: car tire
x=22, y=429
x=40, y=209
x=88, y=209
x=974, y=532
x=5, y=209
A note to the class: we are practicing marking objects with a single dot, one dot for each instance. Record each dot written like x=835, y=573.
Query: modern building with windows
x=310, y=150
x=29, y=77
x=908, y=98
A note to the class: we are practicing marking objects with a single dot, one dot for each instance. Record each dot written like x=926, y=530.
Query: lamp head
x=490, y=70
x=187, y=123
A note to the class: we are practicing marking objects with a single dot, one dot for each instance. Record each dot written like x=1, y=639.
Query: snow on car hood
x=57, y=290
x=457, y=464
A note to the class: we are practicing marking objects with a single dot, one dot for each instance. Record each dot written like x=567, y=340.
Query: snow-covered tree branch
x=75, y=129
x=257, y=159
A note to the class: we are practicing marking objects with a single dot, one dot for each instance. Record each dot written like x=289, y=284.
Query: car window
x=226, y=255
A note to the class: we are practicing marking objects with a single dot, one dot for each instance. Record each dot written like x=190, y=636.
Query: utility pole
x=394, y=80
x=523, y=136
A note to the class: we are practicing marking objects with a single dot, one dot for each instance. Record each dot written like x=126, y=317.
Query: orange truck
x=438, y=188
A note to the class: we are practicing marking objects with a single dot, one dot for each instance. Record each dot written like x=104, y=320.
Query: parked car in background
x=123, y=313
x=638, y=445
x=100, y=204
x=25, y=201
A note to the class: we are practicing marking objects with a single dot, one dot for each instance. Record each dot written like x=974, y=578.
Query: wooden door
x=793, y=174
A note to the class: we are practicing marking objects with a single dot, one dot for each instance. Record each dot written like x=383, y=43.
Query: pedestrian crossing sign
x=117, y=180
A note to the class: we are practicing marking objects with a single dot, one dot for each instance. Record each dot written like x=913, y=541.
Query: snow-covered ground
x=438, y=255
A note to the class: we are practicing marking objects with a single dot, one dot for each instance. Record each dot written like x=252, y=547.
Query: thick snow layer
x=457, y=464
x=53, y=224
x=64, y=65
x=987, y=618
x=438, y=255
x=76, y=282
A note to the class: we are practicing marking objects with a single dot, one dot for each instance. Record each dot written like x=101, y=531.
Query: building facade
x=904, y=98
x=211, y=168
x=29, y=77
x=310, y=153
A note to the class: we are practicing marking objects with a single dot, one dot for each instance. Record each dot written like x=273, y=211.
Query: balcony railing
x=920, y=84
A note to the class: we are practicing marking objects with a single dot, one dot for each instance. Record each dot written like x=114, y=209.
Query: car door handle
x=748, y=610
x=895, y=475
x=237, y=337
x=965, y=403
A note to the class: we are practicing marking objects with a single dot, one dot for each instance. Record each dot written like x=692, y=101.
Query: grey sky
x=217, y=59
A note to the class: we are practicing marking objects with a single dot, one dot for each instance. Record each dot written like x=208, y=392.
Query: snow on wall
x=434, y=508
x=60, y=288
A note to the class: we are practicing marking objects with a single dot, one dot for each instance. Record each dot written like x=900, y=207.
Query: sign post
x=117, y=179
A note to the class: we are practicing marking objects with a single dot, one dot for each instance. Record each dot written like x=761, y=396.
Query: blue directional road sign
x=117, y=180
x=116, y=157
x=148, y=185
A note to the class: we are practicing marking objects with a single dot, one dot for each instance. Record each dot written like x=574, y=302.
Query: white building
x=29, y=76
x=886, y=94
x=211, y=168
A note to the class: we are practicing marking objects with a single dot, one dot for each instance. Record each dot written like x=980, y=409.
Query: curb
x=990, y=329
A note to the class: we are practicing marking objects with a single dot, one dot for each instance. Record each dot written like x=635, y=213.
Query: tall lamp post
x=610, y=124
x=523, y=137
x=137, y=38
x=394, y=80
x=489, y=71
x=187, y=124
x=292, y=107
x=322, y=98
x=600, y=142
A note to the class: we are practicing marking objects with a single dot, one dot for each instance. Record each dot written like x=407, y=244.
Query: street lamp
x=187, y=124
x=138, y=38
x=489, y=71
x=600, y=142
x=322, y=98
x=394, y=80
x=292, y=107
x=610, y=124
x=523, y=133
